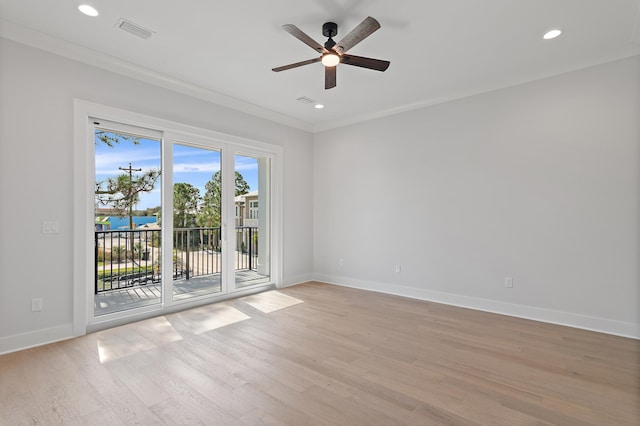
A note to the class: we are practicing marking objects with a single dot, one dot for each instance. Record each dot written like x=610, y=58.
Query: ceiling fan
x=333, y=53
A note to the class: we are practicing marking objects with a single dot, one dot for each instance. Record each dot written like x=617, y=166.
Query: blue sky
x=190, y=164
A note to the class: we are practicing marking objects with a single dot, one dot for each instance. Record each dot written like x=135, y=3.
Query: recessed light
x=551, y=34
x=88, y=10
x=318, y=106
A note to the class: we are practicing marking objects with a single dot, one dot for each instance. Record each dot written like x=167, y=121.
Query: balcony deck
x=144, y=295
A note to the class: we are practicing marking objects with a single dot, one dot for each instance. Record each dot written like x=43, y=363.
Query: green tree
x=242, y=187
x=111, y=139
x=209, y=215
x=185, y=204
x=151, y=211
x=123, y=191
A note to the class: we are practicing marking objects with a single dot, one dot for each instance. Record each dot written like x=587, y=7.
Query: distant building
x=102, y=223
x=247, y=210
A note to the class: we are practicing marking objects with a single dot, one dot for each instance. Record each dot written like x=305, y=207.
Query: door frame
x=84, y=180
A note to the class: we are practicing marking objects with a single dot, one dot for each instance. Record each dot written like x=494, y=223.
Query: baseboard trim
x=295, y=280
x=31, y=339
x=569, y=319
x=45, y=336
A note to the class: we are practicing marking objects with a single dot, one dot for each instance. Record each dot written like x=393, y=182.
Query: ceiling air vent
x=134, y=28
x=304, y=100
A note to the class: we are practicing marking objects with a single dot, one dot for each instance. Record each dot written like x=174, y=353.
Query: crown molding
x=635, y=34
x=33, y=38
x=376, y=115
x=30, y=37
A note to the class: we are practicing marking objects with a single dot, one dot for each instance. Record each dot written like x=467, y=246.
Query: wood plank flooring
x=317, y=354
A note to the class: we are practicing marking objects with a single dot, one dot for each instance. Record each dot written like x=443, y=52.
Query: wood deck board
x=138, y=295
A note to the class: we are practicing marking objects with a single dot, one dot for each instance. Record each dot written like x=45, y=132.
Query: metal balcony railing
x=125, y=258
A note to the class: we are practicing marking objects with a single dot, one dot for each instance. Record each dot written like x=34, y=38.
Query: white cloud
x=246, y=163
x=211, y=167
x=107, y=163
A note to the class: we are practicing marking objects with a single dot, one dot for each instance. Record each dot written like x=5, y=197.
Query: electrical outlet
x=36, y=304
x=398, y=268
x=508, y=282
x=50, y=227
x=341, y=262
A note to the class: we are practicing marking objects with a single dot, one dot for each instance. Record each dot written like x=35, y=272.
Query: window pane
x=127, y=233
x=252, y=186
x=197, y=206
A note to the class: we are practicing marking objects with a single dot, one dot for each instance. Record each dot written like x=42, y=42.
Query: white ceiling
x=439, y=49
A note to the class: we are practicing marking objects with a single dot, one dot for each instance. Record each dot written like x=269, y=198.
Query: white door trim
x=84, y=176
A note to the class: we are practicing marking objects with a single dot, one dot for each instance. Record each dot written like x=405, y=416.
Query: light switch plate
x=36, y=304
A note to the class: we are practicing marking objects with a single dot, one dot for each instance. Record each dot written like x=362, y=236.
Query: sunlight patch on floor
x=117, y=343
x=156, y=330
x=152, y=333
x=270, y=301
x=209, y=317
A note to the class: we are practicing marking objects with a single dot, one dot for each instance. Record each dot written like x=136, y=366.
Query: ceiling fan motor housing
x=330, y=29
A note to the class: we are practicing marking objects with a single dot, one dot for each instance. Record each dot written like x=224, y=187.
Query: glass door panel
x=197, y=207
x=126, y=208
x=252, y=220
x=174, y=217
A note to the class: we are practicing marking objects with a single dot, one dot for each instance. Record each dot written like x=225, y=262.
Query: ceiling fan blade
x=303, y=37
x=359, y=33
x=329, y=77
x=297, y=64
x=370, y=63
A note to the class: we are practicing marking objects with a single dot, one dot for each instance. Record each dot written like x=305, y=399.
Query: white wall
x=540, y=182
x=36, y=178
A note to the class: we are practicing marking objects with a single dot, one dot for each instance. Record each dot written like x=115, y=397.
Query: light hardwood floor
x=317, y=354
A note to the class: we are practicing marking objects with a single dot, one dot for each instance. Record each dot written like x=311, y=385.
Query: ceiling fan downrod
x=329, y=29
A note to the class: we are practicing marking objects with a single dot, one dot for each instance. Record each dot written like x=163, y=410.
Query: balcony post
x=250, y=249
x=187, y=251
x=96, y=262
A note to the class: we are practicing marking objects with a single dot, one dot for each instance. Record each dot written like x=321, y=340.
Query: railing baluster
x=200, y=257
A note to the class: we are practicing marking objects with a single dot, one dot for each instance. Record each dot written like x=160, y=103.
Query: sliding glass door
x=252, y=218
x=177, y=217
x=127, y=204
x=197, y=267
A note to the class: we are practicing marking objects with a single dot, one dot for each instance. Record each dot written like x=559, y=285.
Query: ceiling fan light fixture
x=330, y=59
x=88, y=10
